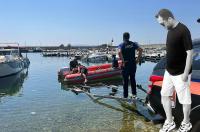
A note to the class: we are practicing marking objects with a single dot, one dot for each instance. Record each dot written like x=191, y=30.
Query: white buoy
x=33, y=113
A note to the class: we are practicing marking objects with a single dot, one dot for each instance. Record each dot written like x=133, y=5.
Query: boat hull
x=13, y=67
x=111, y=74
x=155, y=101
x=96, y=73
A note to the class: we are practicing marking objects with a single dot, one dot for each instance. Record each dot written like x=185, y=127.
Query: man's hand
x=184, y=77
x=140, y=50
x=188, y=65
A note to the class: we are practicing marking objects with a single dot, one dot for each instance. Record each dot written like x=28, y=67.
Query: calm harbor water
x=34, y=101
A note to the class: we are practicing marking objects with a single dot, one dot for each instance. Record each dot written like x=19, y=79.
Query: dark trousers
x=128, y=71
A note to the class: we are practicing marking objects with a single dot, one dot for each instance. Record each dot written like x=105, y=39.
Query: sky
x=90, y=22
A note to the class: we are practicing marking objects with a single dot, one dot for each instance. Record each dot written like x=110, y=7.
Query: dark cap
x=165, y=14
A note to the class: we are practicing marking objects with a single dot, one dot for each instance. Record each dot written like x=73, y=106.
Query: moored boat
x=12, y=62
x=95, y=73
x=96, y=58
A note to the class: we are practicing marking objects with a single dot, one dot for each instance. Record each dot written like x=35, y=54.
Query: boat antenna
x=112, y=41
x=17, y=47
x=26, y=49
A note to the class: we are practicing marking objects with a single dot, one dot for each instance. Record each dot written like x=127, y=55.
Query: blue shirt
x=128, y=50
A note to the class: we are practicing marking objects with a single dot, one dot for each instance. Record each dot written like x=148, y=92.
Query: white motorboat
x=97, y=58
x=12, y=62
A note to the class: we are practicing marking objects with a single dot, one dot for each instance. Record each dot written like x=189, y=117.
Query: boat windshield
x=15, y=52
x=2, y=53
x=196, y=49
x=160, y=66
x=6, y=52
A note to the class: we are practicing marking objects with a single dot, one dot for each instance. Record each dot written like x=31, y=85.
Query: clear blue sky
x=90, y=22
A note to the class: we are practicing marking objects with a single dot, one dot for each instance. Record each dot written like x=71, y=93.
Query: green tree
x=62, y=46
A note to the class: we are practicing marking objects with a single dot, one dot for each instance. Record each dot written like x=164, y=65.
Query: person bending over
x=84, y=71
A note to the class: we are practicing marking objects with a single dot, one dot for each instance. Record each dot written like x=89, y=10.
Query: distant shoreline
x=26, y=49
x=74, y=47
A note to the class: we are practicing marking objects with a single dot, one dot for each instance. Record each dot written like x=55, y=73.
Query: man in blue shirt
x=127, y=55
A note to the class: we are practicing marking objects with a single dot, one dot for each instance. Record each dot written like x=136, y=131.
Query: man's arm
x=120, y=56
x=187, y=65
x=139, y=50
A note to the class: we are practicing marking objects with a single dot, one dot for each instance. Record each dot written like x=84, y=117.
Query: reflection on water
x=127, y=122
x=133, y=123
x=131, y=120
x=115, y=82
x=12, y=84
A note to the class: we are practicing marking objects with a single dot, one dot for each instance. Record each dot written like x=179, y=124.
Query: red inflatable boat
x=95, y=73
